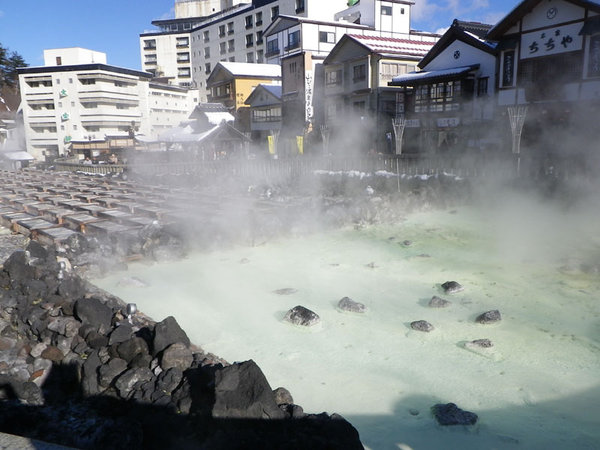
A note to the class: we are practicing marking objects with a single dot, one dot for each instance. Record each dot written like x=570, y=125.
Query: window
x=508, y=68
x=326, y=36
x=293, y=66
x=221, y=30
x=87, y=81
x=293, y=40
x=149, y=59
x=260, y=58
x=58, y=81
x=248, y=22
x=482, y=86
x=183, y=72
x=150, y=44
x=223, y=90
x=249, y=40
x=438, y=97
x=299, y=6
x=70, y=80
x=258, y=19
x=272, y=47
x=207, y=52
x=222, y=48
x=274, y=12
x=183, y=57
x=183, y=42
x=333, y=77
x=259, y=37
x=267, y=115
x=230, y=28
x=386, y=10
x=206, y=35
x=250, y=57
x=360, y=73
x=207, y=68
x=231, y=45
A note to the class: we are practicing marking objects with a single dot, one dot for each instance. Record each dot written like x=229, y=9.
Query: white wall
x=72, y=56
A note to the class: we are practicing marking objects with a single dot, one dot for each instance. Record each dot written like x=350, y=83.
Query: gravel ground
x=9, y=242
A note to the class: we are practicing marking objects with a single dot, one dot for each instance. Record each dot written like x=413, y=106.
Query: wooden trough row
x=50, y=206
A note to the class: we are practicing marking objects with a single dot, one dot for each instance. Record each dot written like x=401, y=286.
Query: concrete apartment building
x=203, y=33
x=76, y=98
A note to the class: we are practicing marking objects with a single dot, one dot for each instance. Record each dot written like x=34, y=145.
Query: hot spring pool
x=538, y=387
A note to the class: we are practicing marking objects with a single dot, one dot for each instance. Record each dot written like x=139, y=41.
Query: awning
x=590, y=26
x=17, y=156
x=432, y=76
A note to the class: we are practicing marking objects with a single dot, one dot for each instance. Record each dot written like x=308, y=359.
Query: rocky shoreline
x=78, y=370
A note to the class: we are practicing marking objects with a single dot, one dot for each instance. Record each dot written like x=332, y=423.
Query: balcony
x=272, y=52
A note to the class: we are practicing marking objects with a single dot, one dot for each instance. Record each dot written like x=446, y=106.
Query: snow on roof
x=379, y=44
x=250, y=69
x=429, y=74
x=216, y=118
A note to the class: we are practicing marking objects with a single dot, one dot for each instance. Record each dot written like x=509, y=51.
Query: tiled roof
x=388, y=45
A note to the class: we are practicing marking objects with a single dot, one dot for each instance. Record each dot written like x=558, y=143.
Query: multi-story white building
x=78, y=97
x=187, y=48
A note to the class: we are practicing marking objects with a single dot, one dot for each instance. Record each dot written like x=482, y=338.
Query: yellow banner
x=300, y=144
x=271, y=143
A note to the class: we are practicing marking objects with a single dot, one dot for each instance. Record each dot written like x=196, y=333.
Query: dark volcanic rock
x=299, y=315
x=166, y=333
x=421, y=325
x=438, y=302
x=489, y=317
x=347, y=304
x=108, y=372
x=131, y=379
x=452, y=287
x=177, y=355
x=94, y=312
x=122, y=333
x=242, y=391
x=450, y=414
x=133, y=347
x=482, y=343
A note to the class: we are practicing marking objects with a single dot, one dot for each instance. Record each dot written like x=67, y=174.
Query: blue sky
x=113, y=26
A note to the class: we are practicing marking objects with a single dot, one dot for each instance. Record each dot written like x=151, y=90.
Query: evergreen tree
x=9, y=63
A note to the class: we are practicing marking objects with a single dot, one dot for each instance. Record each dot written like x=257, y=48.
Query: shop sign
x=551, y=41
x=412, y=123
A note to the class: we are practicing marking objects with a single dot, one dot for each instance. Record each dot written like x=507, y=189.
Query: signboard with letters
x=551, y=41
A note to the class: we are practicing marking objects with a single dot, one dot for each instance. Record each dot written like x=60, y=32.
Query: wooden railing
x=306, y=165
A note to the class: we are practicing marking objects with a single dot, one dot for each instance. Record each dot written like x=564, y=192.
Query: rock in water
x=489, y=317
x=299, y=315
x=450, y=414
x=347, y=304
x=481, y=343
x=285, y=291
x=438, y=302
x=452, y=287
x=421, y=325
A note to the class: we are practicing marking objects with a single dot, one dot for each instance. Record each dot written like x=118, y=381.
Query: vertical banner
x=271, y=143
x=300, y=144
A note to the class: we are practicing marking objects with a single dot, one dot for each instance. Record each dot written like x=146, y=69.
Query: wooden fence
x=306, y=165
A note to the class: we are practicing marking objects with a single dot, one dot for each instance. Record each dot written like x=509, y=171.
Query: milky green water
x=538, y=387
